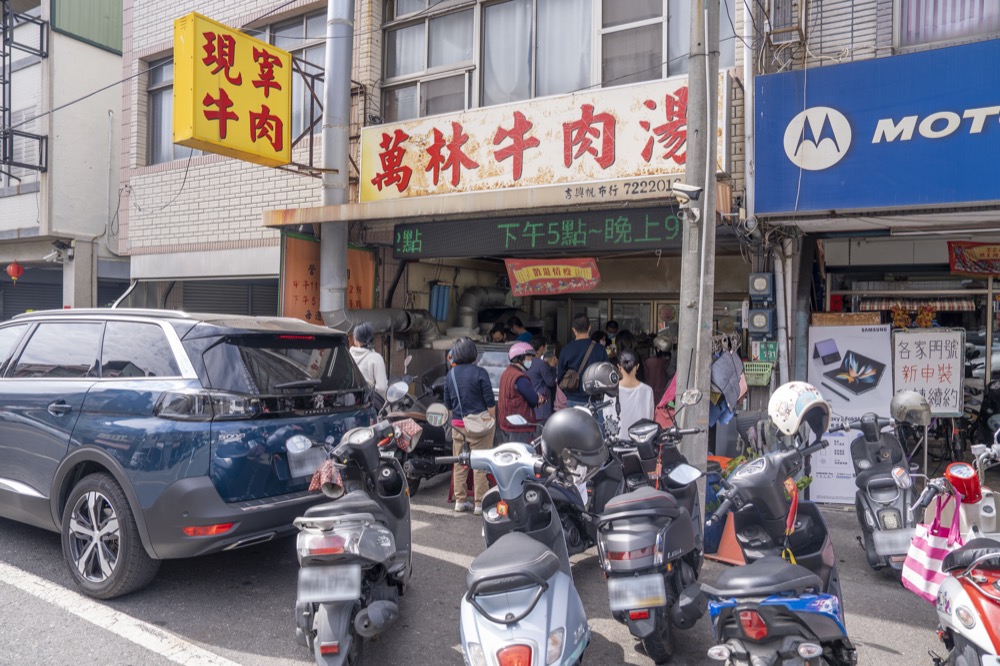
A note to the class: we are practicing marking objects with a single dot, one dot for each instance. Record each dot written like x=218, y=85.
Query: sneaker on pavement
x=463, y=507
x=478, y=511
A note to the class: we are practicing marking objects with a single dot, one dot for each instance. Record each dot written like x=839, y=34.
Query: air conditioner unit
x=786, y=21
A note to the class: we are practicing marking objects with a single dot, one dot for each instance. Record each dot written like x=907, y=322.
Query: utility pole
x=336, y=135
x=697, y=297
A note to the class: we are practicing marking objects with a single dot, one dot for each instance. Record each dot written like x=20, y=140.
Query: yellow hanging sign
x=232, y=93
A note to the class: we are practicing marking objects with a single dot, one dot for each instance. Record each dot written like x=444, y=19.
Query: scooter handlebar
x=447, y=460
x=930, y=492
x=720, y=513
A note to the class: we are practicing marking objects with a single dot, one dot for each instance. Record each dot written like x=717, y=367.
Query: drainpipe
x=336, y=148
x=781, y=315
x=749, y=177
x=387, y=321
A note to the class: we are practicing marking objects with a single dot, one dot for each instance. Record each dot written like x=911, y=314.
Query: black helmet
x=601, y=379
x=571, y=437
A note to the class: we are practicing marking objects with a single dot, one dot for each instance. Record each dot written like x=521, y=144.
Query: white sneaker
x=463, y=507
x=478, y=511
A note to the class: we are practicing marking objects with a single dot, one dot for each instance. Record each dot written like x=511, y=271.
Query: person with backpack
x=576, y=357
x=369, y=362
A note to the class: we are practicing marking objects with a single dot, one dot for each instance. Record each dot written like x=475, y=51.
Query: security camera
x=52, y=256
x=685, y=193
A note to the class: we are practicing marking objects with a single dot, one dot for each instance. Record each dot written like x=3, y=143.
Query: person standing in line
x=578, y=355
x=517, y=396
x=542, y=373
x=626, y=340
x=468, y=392
x=521, y=334
x=657, y=366
x=634, y=397
x=369, y=362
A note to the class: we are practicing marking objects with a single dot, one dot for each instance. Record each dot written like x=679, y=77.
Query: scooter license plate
x=321, y=584
x=307, y=462
x=637, y=592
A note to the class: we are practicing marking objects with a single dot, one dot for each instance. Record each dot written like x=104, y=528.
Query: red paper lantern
x=15, y=270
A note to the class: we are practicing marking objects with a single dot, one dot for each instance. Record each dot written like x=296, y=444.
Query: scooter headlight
x=476, y=655
x=554, y=650
x=966, y=617
x=890, y=519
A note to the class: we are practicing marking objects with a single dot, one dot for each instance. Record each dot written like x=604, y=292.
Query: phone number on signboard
x=650, y=186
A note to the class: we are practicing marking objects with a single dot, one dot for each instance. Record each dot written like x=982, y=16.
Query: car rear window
x=276, y=364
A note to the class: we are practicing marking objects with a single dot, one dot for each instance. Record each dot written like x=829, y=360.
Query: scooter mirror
x=437, y=415
x=396, y=391
x=690, y=397
x=902, y=478
x=517, y=420
x=684, y=474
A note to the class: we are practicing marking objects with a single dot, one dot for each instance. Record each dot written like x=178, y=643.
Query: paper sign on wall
x=931, y=361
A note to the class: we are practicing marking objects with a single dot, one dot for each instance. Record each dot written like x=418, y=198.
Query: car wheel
x=101, y=542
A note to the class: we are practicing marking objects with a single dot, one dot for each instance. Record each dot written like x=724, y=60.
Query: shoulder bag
x=571, y=378
x=475, y=424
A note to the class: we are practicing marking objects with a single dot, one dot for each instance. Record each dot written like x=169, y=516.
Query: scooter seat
x=866, y=477
x=972, y=551
x=768, y=575
x=643, y=499
x=500, y=567
x=357, y=501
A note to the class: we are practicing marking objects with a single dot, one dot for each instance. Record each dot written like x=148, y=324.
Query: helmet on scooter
x=910, y=407
x=798, y=408
x=570, y=438
x=601, y=379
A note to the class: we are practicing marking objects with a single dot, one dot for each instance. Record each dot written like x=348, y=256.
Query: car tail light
x=638, y=615
x=198, y=405
x=207, y=530
x=631, y=554
x=297, y=337
x=753, y=625
x=329, y=648
x=322, y=544
x=514, y=655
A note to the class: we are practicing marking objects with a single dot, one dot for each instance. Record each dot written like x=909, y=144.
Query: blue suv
x=144, y=435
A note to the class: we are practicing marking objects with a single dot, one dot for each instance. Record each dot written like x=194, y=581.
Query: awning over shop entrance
x=912, y=304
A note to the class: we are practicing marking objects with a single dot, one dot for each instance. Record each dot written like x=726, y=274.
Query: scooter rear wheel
x=659, y=646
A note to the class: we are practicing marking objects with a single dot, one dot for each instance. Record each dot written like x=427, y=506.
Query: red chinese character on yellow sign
x=222, y=112
x=672, y=134
x=518, y=142
x=580, y=134
x=393, y=171
x=264, y=125
x=266, y=61
x=456, y=156
x=221, y=50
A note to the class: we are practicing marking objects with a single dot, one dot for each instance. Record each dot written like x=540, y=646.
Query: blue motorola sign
x=907, y=131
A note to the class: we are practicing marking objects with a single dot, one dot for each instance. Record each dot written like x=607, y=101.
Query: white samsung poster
x=851, y=367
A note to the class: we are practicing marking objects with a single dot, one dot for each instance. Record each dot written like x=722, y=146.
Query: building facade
x=59, y=172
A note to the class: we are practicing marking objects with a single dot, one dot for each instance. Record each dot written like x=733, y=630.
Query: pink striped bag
x=922, y=573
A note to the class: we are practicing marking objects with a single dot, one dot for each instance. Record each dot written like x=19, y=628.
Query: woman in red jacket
x=517, y=396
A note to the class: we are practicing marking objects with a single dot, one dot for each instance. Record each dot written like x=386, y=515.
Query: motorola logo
x=817, y=138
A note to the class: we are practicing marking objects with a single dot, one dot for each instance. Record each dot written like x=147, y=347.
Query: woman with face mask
x=517, y=396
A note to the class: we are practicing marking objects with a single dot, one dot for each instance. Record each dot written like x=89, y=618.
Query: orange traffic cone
x=729, y=549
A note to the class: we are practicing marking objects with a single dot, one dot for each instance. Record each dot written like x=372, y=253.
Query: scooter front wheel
x=659, y=646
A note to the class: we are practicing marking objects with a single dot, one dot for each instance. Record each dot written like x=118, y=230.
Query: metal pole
x=697, y=297
x=336, y=146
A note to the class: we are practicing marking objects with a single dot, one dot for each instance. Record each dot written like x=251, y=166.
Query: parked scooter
x=978, y=505
x=882, y=506
x=785, y=606
x=354, y=551
x=521, y=606
x=435, y=440
x=650, y=543
x=968, y=599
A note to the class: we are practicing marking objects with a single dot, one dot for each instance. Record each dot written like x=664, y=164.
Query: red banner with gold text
x=543, y=277
x=974, y=259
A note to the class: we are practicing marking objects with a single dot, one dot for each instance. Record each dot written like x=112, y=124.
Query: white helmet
x=795, y=404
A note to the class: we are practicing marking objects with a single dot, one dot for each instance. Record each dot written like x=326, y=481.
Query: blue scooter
x=784, y=606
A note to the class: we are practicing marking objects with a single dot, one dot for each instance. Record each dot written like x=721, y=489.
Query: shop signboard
x=300, y=259
x=637, y=131
x=545, y=277
x=232, y=93
x=875, y=133
x=630, y=229
x=974, y=259
x=850, y=367
x=931, y=361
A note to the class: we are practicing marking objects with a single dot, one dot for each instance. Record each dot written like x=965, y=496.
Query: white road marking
x=437, y=510
x=459, y=559
x=141, y=633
